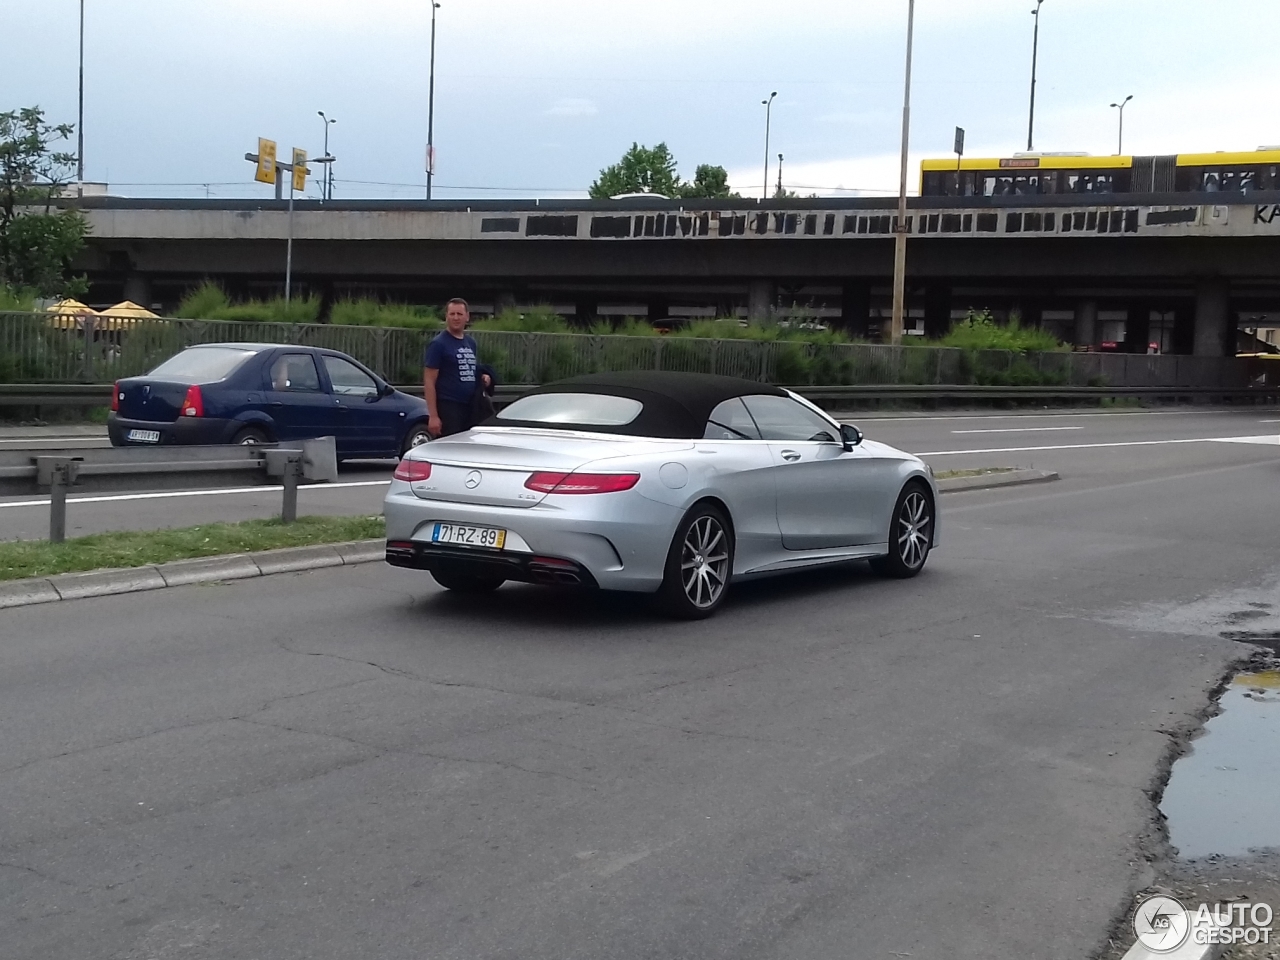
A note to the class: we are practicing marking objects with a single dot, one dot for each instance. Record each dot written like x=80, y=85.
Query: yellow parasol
x=69, y=314
x=123, y=315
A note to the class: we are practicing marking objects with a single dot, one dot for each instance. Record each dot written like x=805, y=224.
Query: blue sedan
x=264, y=392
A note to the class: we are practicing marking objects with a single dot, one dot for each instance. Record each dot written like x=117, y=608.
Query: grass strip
x=137, y=548
x=980, y=472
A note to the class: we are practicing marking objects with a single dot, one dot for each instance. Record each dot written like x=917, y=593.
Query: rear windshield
x=202, y=364
x=581, y=409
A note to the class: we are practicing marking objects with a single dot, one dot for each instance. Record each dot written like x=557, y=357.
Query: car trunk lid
x=158, y=401
x=491, y=465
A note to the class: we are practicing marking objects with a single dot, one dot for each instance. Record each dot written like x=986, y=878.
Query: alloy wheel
x=704, y=562
x=914, y=522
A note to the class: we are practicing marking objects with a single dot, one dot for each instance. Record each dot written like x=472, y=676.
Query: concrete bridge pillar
x=937, y=312
x=761, y=295
x=503, y=302
x=1087, y=323
x=855, y=309
x=1213, y=319
x=138, y=289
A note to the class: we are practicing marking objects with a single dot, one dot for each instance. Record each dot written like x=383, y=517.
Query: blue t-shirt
x=455, y=358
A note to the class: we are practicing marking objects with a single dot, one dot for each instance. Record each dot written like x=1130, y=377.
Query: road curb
x=986, y=481
x=176, y=573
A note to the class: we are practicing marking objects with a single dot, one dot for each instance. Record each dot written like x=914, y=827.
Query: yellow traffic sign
x=266, y=172
x=300, y=170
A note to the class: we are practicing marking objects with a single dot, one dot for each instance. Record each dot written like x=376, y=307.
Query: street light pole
x=779, y=174
x=80, y=122
x=768, y=115
x=1120, y=107
x=431, y=104
x=327, y=187
x=1035, y=50
x=900, y=240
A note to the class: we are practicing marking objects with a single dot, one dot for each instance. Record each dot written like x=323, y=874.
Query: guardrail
x=310, y=461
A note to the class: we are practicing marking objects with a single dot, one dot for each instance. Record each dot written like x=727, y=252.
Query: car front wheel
x=416, y=437
x=910, y=534
x=699, y=564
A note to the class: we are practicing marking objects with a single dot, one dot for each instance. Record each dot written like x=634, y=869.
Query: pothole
x=1221, y=797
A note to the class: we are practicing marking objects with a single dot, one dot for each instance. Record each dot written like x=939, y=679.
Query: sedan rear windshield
x=202, y=364
x=579, y=409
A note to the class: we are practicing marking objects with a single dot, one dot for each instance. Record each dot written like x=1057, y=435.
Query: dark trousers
x=455, y=417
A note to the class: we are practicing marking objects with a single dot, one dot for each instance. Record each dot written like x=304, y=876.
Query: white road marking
x=1269, y=421
x=1095, y=446
x=64, y=440
x=1043, y=416
x=168, y=494
x=1018, y=430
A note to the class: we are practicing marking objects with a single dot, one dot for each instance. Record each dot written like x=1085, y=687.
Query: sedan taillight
x=546, y=482
x=413, y=471
x=193, y=403
x=115, y=398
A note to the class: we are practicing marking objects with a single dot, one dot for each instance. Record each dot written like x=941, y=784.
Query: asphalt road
x=351, y=763
x=1081, y=446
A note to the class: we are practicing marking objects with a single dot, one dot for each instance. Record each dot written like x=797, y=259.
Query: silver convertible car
x=668, y=483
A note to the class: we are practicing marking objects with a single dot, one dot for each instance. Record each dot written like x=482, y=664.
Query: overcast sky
x=533, y=97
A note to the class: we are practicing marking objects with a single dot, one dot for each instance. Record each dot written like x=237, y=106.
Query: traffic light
x=300, y=170
x=266, y=172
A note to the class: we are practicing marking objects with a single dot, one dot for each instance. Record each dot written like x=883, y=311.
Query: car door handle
x=790, y=456
x=276, y=403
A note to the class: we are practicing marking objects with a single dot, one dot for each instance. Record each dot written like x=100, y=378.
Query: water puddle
x=1222, y=795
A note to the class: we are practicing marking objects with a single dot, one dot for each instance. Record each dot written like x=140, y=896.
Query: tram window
x=1211, y=183
x=1266, y=179
x=1049, y=182
x=1103, y=183
x=932, y=184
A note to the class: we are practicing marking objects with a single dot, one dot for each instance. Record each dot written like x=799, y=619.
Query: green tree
x=708, y=181
x=641, y=170
x=653, y=170
x=37, y=240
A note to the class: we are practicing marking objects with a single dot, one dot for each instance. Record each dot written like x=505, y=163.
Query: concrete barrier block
x=103, y=583
x=362, y=551
x=238, y=566
x=293, y=559
x=21, y=593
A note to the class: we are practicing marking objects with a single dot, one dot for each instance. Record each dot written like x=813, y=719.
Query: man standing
x=452, y=379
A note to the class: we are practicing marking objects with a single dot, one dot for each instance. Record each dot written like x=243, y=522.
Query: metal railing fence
x=38, y=348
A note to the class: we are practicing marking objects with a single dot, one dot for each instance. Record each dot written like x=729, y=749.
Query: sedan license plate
x=490, y=538
x=144, y=436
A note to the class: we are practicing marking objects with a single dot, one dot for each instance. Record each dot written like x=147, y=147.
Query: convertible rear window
x=202, y=364
x=585, y=409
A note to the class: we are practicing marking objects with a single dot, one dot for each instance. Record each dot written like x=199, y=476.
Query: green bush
x=12, y=298
x=792, y=365
x=203, y=302
x=538, y=320
x=367, y=312
x=978, y=331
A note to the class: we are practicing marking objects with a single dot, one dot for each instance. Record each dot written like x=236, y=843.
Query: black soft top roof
x=676, y=405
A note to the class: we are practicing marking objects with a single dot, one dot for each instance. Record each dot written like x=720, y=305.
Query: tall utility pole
x=326, y=185
x=80, y=122
x=1120, y=106
x=900, y=239
x=768, y=116
x=431, y=104
x=1035, y=50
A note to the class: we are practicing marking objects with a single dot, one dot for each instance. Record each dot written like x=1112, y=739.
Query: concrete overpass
x=1179, y=270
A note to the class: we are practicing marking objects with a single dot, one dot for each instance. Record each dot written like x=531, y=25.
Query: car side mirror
x=850, y=435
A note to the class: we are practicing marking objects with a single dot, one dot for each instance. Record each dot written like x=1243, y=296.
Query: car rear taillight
x=193, y=402
x=115, y=398
x=413, y=471
x=546, y=482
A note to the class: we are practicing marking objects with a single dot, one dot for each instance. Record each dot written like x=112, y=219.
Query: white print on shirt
x=466, y=358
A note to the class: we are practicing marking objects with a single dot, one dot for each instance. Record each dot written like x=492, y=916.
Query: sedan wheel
x=699, y=565
x=249, y=436
x=910, y=534
x=416, y=438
